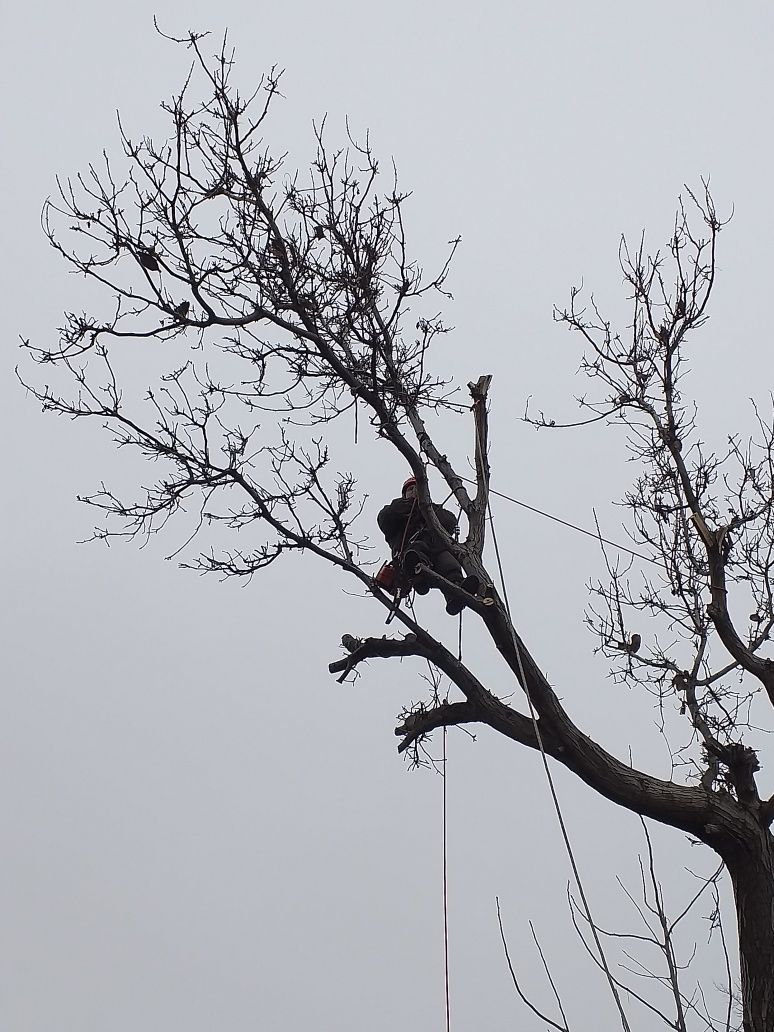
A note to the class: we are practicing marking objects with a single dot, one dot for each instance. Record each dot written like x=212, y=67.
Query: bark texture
x=752, y=875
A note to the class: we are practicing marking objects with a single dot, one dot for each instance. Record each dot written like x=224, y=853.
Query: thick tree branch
x=478, y=512
x=762, y=668
x=361, y=649
x=767, y=812
x=713, y=818
x=421, y=721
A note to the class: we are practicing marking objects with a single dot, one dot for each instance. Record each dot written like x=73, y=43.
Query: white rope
x=555, y=798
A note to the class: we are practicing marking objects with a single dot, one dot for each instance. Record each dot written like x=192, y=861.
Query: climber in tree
x=413, y=543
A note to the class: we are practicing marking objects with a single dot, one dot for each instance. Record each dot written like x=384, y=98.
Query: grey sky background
x=200, y=828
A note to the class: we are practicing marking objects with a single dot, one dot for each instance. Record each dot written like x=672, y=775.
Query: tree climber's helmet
x=411, y=482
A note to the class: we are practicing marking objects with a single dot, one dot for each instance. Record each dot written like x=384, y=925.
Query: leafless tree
x=301, y=302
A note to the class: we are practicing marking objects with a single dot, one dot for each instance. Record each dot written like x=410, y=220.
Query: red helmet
x=411, y=482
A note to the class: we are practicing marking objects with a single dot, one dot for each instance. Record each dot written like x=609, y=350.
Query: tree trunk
x=752, y=875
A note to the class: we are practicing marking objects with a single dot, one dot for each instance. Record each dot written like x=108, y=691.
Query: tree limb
x=371, y=648
x=421, y=721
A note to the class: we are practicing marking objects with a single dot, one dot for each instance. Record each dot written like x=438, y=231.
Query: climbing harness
x=393, y=575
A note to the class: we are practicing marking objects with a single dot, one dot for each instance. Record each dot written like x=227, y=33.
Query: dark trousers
x=439, y=560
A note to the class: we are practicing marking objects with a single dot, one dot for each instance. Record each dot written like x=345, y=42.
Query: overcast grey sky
x=200, y=828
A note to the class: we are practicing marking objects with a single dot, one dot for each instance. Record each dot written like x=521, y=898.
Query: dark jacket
x=401, y=520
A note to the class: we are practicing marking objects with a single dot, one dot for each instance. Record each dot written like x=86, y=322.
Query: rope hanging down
x=539, y=737
x=565, y=835
x=555, y=798
x=445, y=891
x=443, y=847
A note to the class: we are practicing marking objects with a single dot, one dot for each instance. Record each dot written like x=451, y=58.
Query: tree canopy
x=302, y=303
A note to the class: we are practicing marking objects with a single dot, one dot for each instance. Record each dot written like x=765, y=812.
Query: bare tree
x=301, y=303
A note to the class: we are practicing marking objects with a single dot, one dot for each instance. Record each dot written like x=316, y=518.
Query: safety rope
x=445, y=895
x=402, y=548
x=549, y=777
x=571, y=526
x=563, y=827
